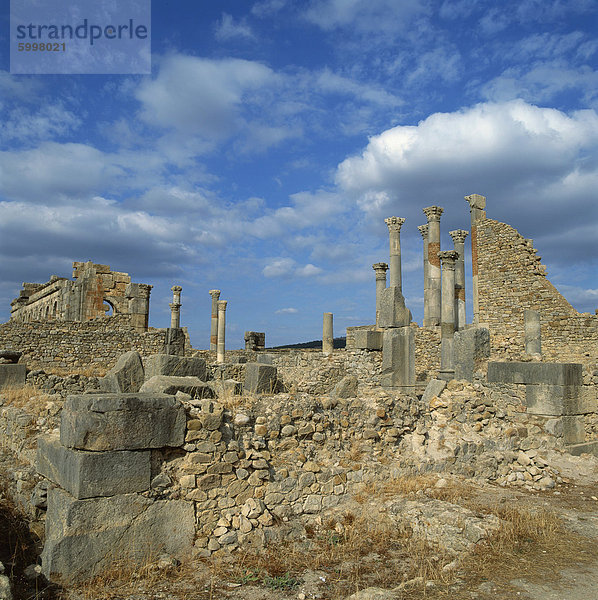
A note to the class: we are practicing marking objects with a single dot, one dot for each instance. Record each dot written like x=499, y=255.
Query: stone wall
x=511, y=279
x=68, y=345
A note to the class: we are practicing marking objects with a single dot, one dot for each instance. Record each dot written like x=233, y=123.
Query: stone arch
x=111, y=310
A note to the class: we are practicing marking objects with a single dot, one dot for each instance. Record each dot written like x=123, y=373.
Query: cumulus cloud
x=287, y=267
x=227, y=29
x=287, y=311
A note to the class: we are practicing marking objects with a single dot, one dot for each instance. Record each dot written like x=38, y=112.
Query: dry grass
x=28, y=397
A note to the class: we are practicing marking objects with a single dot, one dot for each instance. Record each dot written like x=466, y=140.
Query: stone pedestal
x=477, y=204
x=447, y=324
x=380, y=269
x=327, y=334
x=533, y=335
x=175, y=307
x=459, y=236
x=433, y=214
x=423, y=229
x=221, y=331
x=214, y=322
x=398, y=359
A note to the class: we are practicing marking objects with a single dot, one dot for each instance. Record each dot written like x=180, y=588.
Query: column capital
x=394, y=223
x=423, y=229
x=175, y=306
x=176, y=288
x=222, y=304
x=448, y=258
x=145, y=288
x=459, y=235
x=215, y=294
x=380, y=267
x=433, y=213
x=476, y=201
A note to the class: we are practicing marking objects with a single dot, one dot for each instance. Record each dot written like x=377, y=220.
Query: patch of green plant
x=250, y=576
x=281, y=582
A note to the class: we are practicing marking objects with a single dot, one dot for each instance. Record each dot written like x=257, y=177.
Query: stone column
x=175, y=307
x=214, y=322
x=447, y=325
x=477, y=204
x=394, y=229
x=433, y=215
x=423, y=229
x=459, y=236
x=380, y=269
x=221, y=330
x=327, y=334
x=533, y=340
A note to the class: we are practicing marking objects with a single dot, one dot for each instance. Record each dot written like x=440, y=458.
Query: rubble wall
x=511, y=279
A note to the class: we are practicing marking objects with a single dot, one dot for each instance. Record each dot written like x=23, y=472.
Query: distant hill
x=339, y=342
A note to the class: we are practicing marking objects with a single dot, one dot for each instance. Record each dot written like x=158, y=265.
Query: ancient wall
x=65, y=345
x=511, y=278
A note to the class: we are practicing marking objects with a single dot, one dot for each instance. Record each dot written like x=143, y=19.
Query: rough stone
x=435, y=387
x=90, y=474
x=169, y=384
x=346, y=388
x=122, y=422
x=12, y=376
x=126, y=376
x=85, y=537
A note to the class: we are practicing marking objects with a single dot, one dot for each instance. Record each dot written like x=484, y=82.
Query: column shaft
x=447, y=325
x=380, y=269
x=394, y=230
x=459, y=236
x=423, y=229
x=214, y=321
x=433, y=214
x=221, y=330
x=477, y=204
x=327, y=334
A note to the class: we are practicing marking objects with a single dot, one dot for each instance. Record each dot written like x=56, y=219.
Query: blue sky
x=273, y=137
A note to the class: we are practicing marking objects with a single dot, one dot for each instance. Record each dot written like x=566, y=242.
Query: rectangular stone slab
x=91, y=474
x=178, y=366
x=86, y=537
x=530, y=372
x=393, y=312
x=100, y=422
x=260, y=378
x=398, y=358
x=12, y=376
x=368, y=340
x=543, y=399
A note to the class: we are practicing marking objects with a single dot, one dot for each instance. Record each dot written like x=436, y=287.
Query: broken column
x=423, y=229
x=380, y=269
x=175, y=307
x=447, y=324
x=394, y=230
x=433, y=215
x=214, y=322
x=221, y=330
x=533, y=341
x=459, y=236
x=477, y=204
x=327, y=334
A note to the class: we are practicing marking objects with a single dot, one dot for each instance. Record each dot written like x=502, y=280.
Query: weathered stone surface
x=373, y=593
x=169, y=384
x=122, y=422
x=583, y=447
x=393, y=312
x=368, y=340
x=10, y=356
x=543, y=399
x=530, y=372
x=346, y=387
x=90, y=474
x=398, y=358
x=260, y=378
x=85, y=537
x=12, y=376
x=470, y=348
x=573, y=430
x=126, y=376
x=178, y=366
x=265, y=359
x=435, y=387
x=224, y=388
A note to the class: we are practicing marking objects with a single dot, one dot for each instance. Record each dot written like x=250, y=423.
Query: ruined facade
x=95, y=292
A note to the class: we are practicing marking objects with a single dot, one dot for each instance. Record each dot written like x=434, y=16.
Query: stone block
x=544, y=399
x=224, y=388
x=177, y=366
x=368, y=340
x=12, y=376
x=398, y=358
x=86, y=537
x=529, y=372
x=90, y=474
x=583, y=447
x=393, y=312
x=265, y=359
x=174, y=342
x=126, y=376
x=260, y=378
x=347, y=387
x=122, y=422
x=434, y=388
x=470, y=348
x=573, y=430
x=165, y=384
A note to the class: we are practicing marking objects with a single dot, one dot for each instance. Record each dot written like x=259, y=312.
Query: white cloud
x=28, y=126
x=308, y=270
x=279, y=267
x=227, y=29
x=287, y=311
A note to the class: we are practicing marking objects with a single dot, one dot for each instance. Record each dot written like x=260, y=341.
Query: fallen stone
x=435, y=387
x=373, y=593
x=346, y=387
x=126, y=376
x=122, y=422
x=169, y=384
x=176, y=366
x=260, y=378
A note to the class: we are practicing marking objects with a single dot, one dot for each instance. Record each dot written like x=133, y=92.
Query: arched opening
x=47, y=315
x=109, y=310
x=55, y=309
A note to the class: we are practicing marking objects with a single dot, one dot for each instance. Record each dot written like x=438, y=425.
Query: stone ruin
x=162, y=454
x=95, y=291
